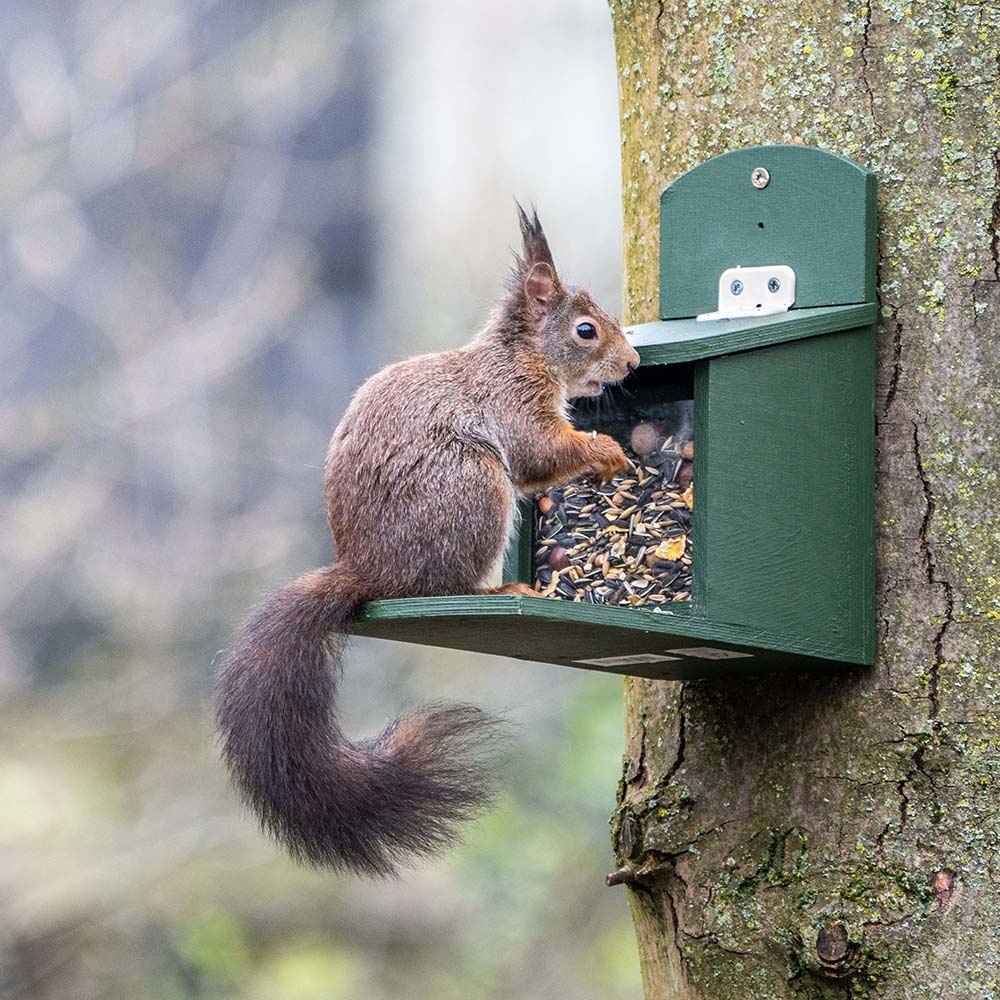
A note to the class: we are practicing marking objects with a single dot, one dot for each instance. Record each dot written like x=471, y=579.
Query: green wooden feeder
x=782, y=527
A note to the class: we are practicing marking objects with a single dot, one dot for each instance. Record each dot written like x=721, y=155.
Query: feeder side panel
x=517, y=557
x=784, y=492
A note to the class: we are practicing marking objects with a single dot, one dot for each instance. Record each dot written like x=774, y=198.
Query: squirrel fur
x=422, y=478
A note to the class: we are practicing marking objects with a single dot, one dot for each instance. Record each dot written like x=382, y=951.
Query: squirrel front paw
x=605, y=459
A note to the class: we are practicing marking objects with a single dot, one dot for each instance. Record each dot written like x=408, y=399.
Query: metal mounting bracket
x=754, y=291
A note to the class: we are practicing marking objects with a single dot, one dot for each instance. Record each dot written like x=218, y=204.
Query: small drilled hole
x=760, y=225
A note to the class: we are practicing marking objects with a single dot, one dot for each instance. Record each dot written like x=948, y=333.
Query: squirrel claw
x=606, y=460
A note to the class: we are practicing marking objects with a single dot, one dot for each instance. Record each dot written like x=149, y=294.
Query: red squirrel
x=422, y=479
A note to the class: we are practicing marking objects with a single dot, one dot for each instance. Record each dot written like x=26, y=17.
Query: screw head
x=760, y=178
x=773, y=285
x=736, y=287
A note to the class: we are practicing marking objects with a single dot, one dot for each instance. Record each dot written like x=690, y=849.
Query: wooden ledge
x=670, y=341
x=563, y=632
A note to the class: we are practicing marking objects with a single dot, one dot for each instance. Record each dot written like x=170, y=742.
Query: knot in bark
x=832, y=945
x=834, y=950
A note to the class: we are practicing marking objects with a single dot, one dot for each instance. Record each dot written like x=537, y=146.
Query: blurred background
x=217, y=217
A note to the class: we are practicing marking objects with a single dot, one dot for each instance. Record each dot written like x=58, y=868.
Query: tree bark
x=839, y=835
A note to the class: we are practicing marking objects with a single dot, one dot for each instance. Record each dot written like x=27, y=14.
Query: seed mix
x=627, y=542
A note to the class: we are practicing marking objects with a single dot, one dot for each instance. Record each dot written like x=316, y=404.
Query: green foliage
x=214, y=946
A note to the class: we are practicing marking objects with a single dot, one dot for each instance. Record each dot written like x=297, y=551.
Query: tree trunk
x=839, y=835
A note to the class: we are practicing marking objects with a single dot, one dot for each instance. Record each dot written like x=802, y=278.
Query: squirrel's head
x=582, y=343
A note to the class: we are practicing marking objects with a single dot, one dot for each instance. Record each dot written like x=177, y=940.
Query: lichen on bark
x=839, y=835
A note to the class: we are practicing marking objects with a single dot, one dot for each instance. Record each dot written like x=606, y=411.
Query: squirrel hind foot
x=513, y=589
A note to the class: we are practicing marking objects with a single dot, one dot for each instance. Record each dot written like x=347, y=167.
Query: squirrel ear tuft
x=536, y=247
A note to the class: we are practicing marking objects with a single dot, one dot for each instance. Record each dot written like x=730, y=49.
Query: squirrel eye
x=586, y=331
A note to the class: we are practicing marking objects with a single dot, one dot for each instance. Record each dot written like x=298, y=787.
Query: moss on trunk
x=840, y=836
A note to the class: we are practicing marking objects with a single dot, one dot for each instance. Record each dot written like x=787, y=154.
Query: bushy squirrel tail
x=364, y=806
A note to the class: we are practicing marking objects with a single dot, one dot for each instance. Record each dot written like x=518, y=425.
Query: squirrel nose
x=633, y=361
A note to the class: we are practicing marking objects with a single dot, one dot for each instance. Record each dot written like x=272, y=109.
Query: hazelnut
x=558, y=558
x=645, y=438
